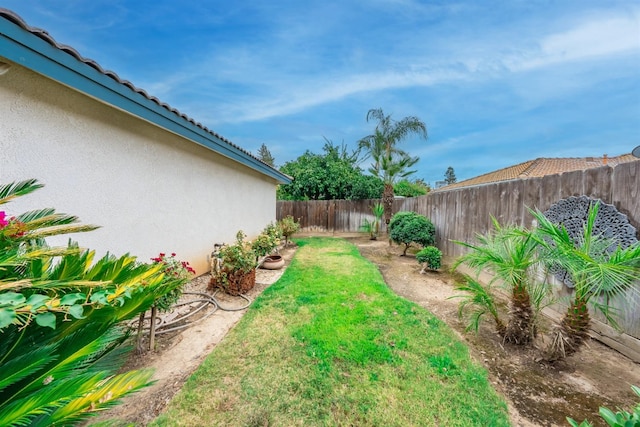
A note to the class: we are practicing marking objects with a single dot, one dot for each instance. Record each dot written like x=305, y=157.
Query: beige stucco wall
x=151, y=190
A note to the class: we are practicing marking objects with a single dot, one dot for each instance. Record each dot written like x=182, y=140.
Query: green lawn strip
x=330, y=344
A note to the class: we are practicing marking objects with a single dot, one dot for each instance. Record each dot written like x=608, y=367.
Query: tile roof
x=540, y=167
x=44, y=35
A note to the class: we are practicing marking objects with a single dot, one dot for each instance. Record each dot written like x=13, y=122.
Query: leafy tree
x=265, y=155
x=450, y=176
x=410, y=227
x=390, y=163
x=600, y=269
x=328, y=176
x=408, y=188
x=366, y=187
x=59, y=319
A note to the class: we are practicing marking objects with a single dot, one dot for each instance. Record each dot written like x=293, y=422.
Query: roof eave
x=25, y=48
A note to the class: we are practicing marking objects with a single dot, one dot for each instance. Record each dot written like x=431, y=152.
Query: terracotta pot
x=273, y=262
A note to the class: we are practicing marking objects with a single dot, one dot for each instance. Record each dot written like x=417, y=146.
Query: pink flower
x=3, y=221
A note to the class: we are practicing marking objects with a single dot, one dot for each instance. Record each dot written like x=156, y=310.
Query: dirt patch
x=538, y=394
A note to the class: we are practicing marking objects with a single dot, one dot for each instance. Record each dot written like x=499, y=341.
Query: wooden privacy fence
x=460, y=214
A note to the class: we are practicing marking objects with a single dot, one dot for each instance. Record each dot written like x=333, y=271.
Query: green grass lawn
x=330, y=344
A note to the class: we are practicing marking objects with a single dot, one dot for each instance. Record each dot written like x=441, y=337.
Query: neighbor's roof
x=36, y=50
x=540, y=167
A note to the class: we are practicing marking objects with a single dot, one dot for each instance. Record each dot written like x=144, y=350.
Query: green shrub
x=59, y=319
x=406, y=188
x=288, y=227
x=409, y=227
x=267, y=240
x=238, y=258
x=431, y=257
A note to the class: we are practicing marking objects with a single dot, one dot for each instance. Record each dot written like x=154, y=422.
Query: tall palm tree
x=510, y=253
x=598, y=268
x=390, y=162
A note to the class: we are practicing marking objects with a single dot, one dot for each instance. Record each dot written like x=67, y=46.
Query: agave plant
x=510, y=253
x=60, y=317
x=598, y=268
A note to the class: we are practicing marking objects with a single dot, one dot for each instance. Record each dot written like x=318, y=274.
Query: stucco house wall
x=150, y=189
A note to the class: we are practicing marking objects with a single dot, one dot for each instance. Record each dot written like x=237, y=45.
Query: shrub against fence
x=462, y=213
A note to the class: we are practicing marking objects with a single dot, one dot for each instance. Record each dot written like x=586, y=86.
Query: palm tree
x=510, y=253
x=389, y=162
x=598, y=268
x=479, y=299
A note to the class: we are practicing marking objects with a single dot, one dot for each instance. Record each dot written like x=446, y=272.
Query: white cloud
x=592, y=39
x=273, y=77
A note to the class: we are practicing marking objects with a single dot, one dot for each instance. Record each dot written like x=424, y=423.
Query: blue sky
x=496, y=82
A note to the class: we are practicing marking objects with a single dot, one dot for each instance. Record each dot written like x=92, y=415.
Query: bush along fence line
x=460, y=214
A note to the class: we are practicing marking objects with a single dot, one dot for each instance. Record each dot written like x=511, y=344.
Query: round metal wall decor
x=572, y=212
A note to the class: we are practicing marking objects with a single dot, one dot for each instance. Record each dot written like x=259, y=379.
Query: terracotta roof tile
x=540, y=167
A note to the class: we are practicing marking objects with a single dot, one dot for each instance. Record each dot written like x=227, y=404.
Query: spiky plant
x=597, y=267
x=60, y=317
x=373, y=227
x=476, y=302
x=510, y=253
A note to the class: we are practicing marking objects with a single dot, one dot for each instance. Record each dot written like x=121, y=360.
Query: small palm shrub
x=288, y=226
x=430, y=257
x=409, y=228
x=511, y=254
x=373, y=227
x=60, y=319
x=620, y=418
x=477, y=300
x=599, y=268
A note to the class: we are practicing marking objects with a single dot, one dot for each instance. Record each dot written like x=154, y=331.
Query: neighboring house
x=538, y=168
x=154, y=179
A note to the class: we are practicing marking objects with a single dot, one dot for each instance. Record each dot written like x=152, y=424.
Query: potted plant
x=267, y=241
x=234, y=268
